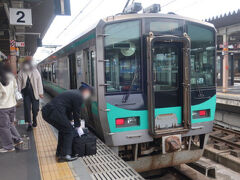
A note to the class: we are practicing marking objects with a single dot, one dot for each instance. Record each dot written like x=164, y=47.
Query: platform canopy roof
x=42, y=16
x=225, y=20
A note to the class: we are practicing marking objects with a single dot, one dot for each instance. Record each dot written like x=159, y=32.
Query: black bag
x=84, y=145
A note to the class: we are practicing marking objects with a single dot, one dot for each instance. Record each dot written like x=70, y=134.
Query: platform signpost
x=18, y=17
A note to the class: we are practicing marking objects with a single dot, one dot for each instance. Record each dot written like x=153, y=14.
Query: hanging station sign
x=20, y=16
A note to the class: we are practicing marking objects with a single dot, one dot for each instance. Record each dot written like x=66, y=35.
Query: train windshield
x=122, y=50
x=202, y=55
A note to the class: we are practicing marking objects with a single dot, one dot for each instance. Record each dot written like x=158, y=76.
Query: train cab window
x=202, y=55
x=122, y=50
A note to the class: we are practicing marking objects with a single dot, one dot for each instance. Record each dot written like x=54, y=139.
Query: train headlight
x=201, y=114
x=127, y=122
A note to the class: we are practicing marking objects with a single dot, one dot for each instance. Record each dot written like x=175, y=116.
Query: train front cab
x=159, y=82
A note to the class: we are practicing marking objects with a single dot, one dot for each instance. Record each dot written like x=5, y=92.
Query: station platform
x=228, y=107
x=231, y=97
x=231, y=89
x=39, y=162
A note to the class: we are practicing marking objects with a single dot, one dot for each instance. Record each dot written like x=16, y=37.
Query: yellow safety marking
x=46, y=144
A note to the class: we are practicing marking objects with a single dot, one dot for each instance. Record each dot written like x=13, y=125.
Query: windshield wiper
x=200, y=93
x=126, y=96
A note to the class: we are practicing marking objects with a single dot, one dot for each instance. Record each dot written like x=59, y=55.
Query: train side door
x=89, y=77
x=168, y=85
x=89, y=66
x=72, y=71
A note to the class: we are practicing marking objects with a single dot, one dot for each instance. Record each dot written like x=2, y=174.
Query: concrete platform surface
x=20, y=165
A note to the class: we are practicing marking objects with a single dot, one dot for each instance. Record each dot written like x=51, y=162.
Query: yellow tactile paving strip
x=46, y=144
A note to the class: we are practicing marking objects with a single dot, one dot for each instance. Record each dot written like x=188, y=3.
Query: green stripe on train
x=54, y=87
x=116, y=112
x=77, y=43
x=209, y=104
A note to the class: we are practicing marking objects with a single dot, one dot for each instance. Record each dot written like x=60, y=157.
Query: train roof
x=122, y=17
x=154, y=15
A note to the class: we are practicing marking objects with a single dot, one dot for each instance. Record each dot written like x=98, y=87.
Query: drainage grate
x=106, y=165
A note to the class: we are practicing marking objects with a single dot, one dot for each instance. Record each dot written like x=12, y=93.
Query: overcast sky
x=63, y=29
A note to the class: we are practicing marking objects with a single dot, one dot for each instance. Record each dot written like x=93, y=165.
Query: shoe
x=29, y=128
x=67, y=158
x=2, y=150
x=34, y=124
x=18, y=142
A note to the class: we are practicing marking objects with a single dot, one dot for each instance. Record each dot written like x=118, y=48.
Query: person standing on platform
x=30, y=85
x=9, y=136
x=59, y=113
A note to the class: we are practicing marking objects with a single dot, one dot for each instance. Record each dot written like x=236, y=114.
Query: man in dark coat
x=60, y=112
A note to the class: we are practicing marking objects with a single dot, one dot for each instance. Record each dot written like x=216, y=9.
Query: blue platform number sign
x=19, y=16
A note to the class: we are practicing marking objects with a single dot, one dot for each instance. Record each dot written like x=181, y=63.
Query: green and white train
x=154, y=81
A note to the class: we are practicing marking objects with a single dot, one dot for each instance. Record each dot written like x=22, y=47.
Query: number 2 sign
x=20, y=16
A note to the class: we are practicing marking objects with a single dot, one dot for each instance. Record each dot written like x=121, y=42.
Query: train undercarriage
x=148, y=156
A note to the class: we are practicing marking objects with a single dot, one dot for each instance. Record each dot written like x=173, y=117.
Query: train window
x=54, y=72
x=165, y=66
x=122, y=50
x=45, y=72
x=202, y=55
x=49, y=70
x=42, y=71
x=92, y=59
x=164, y=26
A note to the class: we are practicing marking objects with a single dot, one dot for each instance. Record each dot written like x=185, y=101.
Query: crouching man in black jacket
x=59, y=113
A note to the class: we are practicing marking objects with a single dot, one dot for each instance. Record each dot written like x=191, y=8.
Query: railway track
x=182, y=172
x=216, y=127
x=225, y=139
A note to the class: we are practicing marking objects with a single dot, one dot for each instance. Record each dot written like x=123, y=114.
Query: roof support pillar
x=225, y=62
x=13, y=55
